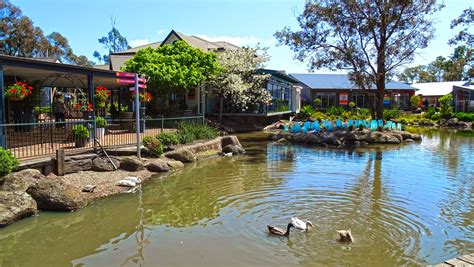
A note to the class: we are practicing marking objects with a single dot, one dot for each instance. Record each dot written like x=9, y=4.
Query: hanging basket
x=16, y=98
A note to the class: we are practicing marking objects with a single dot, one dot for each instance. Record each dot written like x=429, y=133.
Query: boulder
x=183, y=155
x=230, y=140
x=21, y=181
x=235, y=150
x=282, y=141
x=383, y=138
x=73, y=166
x=55, y=195
x=174, y=164
x=103, y=164
x=409, y=140
x=131, y=164
x=158, y=166
x=15, y=206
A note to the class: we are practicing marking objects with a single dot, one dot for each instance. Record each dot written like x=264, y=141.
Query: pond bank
x=25, y=192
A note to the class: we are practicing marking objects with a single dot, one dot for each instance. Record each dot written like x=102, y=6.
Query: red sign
x=343, y=98
x=128, y=78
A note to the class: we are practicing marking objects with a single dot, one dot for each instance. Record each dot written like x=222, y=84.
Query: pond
x=406, y=205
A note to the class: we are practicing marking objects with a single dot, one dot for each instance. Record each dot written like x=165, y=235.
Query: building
x=431, y=92
x=283, y=88
x=338, y=90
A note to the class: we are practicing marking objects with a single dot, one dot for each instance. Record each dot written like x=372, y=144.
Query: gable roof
x=437, y=88
x=340, y=82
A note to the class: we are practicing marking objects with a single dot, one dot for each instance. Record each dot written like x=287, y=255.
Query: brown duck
x=279, y=231
x=345, y=235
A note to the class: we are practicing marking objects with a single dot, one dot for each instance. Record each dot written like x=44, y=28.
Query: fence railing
x=33, y=140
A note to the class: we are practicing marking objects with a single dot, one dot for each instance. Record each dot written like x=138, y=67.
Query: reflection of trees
x=193, y=195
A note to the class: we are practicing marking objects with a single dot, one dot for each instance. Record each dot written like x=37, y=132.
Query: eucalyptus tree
x=239, y=83
x=466, y=34
x=114, y=42
x=370, y=39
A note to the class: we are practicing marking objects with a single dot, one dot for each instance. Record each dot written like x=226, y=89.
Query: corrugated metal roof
x=339, y=82
x=437, y=88
x=280, y=74
x=135, y=49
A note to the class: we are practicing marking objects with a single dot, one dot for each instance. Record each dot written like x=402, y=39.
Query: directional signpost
x=132, y=78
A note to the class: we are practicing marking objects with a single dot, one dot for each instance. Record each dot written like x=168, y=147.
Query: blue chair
x=373, y=125
x=285, y=128
x=296, y=128
x=307, y=125
x=339, y=124
x=394, y=126
x=315, y=126
x=380, y=123
x=399, y=126
x=350, y=123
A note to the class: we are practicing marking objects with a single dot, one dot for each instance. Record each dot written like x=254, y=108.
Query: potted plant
x=86, y=109
x=80, y=135
x=100, y=124
x=18, y=91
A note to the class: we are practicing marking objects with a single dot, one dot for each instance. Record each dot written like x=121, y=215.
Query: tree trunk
x=221, y=106
x=379, y=103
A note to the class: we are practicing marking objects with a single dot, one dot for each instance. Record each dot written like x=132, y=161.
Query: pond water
x=406, y=205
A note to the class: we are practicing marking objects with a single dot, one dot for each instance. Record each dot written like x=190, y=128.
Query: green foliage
x=168, y=139
x=363, y=113
x=389, y=114
x=446, y=106
x=80, y=131
x=414, y=101
x=430, y=113
x=352, y=104
x=462, y=116
x=174, y=66
x=113, y=42
x=336, y=110
x=39, y=110
x=153, y=145
x=100, y=122
x=317, y=102
x=306, y=112
x=8, y=162
x=188, y=132
x=282, y=108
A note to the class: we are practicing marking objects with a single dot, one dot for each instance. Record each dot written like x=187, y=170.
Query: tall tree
x=369, y=38
x=239, y=83
x=19, y=37
x=113, y=42
x=465, y=35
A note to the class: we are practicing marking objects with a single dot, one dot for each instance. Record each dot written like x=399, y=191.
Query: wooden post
x=137, y=116
x=60, y=158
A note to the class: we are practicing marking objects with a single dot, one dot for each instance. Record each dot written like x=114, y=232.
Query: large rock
x=158, y=166
x=230, y=140
x=406, y=135
x=383, y=138
x=73, y=166
x=183, y=155
x=131, y=164
x=235, y=150
x=55, y=195
x=103, y=164
x=174, y=164
x=21, y=181
x=15, y=206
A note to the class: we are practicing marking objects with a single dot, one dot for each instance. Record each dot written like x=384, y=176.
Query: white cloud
x=139, y=42
x=239, y=40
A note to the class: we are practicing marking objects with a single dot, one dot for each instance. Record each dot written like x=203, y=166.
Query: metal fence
x=34, y=140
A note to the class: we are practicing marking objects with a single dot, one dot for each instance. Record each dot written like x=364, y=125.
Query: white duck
x=299, y=224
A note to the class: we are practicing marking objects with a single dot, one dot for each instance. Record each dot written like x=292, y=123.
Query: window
x=359, y=100
x=327, y=99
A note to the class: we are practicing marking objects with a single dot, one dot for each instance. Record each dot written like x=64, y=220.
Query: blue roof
x=340, y=82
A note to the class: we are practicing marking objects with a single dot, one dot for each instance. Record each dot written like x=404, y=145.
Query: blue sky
x=243, y=22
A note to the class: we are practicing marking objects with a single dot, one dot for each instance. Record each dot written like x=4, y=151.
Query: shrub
x=430, y=112
x=100, y=122
x=8, y=162
x=414, y=101
x=352, y=104
x=446, y=106
x=469, y=117
x=336, y=110
x=363, y=113
x=80, y=131
x=154, y=145
x=389, y=114
x=168, y=139
x=307, y=112
x=436, y=116
x=188, y=132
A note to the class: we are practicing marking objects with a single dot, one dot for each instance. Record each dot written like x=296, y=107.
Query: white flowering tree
x=239, y=83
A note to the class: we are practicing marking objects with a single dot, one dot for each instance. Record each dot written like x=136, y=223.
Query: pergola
x=51, y=74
